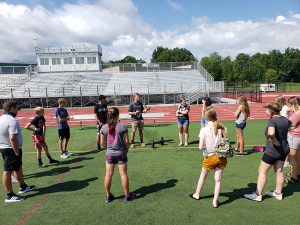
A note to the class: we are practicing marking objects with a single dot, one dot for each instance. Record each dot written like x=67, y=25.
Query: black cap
x=274, y=106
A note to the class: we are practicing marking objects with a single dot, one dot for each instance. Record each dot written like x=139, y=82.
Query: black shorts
x=11, y=161
x=271, y=160
x=64, y=133
x=99, y=128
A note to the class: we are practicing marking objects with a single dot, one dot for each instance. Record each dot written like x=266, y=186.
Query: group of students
x=282, y=142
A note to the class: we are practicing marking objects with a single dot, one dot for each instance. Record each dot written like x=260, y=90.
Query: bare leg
x=241, y=140
x=200, y=184
x=186, y=133
x=294, y=163
x=278, y=167
x=6, y=180
x=60, y=143
x=132, y=137
x=98, y=139
x=218, y=176
x=141, y=135
x=180, y=130
x=108, y=177
x=124, y=178
x=237, y=140
x=262, y=177
x=39, y=153
x=66, y=144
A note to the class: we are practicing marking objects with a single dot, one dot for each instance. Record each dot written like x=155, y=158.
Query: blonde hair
x=38, y=109
x=295, y=106
x=61, y=100
x=243, y=101
x=280, y=100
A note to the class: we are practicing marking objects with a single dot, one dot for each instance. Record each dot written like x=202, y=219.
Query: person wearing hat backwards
x=11, y=149
x=277, y=148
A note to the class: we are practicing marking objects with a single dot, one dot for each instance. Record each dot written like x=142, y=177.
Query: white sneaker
x=28, y=188
x=186, y=144
x=273, y=194
x=253, y=196
x=180, y=144
x=68, y=154
x=286, y=164
x=64, y=156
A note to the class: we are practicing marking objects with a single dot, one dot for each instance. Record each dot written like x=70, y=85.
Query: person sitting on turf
x=277, y=148
x=114, y=138
x=207, y=143
x=182, y=114
x=38, y=126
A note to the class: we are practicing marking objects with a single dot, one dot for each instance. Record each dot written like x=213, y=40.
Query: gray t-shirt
x=115, y=142
x=9, y=125
x=281, y=125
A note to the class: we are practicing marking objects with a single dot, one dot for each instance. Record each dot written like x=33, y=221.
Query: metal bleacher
x=190, y=80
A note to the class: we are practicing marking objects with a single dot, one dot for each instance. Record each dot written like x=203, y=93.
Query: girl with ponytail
x=207, y=143
x=114, y=138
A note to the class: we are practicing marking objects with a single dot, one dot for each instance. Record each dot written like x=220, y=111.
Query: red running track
x=225, y=112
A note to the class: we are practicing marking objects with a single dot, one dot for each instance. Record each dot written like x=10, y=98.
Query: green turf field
x=162, y=178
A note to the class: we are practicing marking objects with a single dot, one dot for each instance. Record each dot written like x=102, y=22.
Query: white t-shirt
x=9, y=125
x=207, y=135
x=284, y=111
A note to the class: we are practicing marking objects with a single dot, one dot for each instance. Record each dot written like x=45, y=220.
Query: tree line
x=272, y=67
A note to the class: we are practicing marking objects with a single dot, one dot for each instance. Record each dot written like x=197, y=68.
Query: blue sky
x=137, y=27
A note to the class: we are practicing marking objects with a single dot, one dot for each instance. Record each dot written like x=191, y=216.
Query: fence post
x=148, y=93
x=11, y=93
x=80, y=96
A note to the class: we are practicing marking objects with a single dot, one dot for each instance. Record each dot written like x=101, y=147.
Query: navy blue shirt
x=101, y=111
x=38, y=122
x=62, y=113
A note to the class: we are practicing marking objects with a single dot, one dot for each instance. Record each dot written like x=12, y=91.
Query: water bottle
x=153, y=144
x=162, y=141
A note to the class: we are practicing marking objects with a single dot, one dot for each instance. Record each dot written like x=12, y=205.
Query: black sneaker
x=99, y=149
x=14, y=198
x=26, y=189
x=53, y=161
x=109, y=198
x=129, y=197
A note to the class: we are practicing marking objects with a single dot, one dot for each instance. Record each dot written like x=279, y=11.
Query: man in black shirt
x=100, y=111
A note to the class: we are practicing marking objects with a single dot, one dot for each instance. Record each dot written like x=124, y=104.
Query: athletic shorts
x=11, y=161
x=212, y=162
x=294, y=142
x=116, y=160
x=38, y=141
x=183, y=122
x=64, y=133
x=99, y=128
x=271, y=160
x=137, y=124
x=240, y=125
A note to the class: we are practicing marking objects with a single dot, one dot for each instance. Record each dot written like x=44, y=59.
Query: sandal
x=192, y=196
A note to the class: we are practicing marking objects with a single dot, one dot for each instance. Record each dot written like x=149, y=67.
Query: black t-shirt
x=182, y=108
x=38, y=122
x=101, y=111
x=281, y=125
x=138, y=108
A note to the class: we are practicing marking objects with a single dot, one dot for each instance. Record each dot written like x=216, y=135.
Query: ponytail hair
x=211, y=115
x=112, y=118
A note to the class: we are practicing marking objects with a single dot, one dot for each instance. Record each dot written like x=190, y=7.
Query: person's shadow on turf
x=53, y=172
x=67, y=186
x=145, y=190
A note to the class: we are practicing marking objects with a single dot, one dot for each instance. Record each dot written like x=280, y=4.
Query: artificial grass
x=162, y=178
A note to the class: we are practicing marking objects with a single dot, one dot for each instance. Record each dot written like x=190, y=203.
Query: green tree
x=271, y=76
x=227, y=70
x=161, y=54
x=241, y=67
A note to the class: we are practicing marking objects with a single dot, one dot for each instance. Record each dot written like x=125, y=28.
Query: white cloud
x=119, y=28
x=175, y=5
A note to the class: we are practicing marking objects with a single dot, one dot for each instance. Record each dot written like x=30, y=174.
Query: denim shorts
x=183, y=122
x=294, y=142
x=240, y=125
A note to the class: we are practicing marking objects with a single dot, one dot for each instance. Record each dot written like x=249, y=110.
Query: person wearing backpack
x=208, y=139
